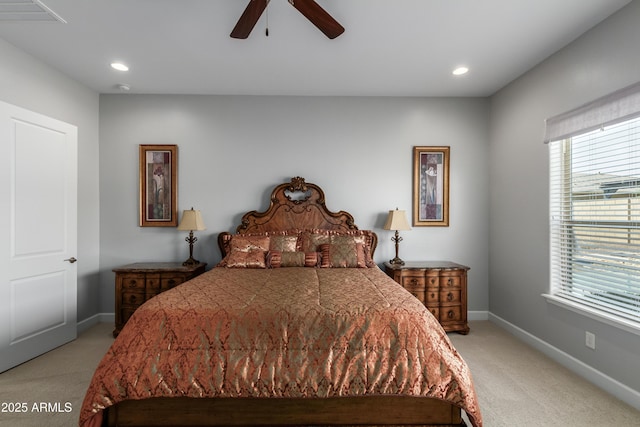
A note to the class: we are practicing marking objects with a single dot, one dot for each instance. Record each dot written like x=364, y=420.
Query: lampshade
x=191, y=220
x=397, y=220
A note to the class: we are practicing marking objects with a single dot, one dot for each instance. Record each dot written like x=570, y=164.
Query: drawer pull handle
x=450, y=297
x=450, y=281
x=414, y=281
x=451, y=314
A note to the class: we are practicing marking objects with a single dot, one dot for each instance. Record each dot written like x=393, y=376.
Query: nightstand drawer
x=432, y=296
x=171, y=282
x=415, y=285
x=133, y=281
x=413, y=282
x=452, y=296
x=435, y=311
x=132, y=298
x=450, y=281
x=153, y=283
x=432, y=278
x=448, y=314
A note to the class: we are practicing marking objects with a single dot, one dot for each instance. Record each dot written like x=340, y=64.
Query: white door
x=38, y=193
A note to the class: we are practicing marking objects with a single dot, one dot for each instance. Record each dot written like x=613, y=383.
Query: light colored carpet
x=516, y=385
x=60, y=376
x=519, y=386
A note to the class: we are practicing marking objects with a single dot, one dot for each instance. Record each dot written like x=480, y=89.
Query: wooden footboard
x=371, y=410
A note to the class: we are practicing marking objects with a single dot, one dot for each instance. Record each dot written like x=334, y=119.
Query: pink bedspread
x=288, y=332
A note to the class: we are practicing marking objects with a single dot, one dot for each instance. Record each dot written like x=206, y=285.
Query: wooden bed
x=293, y=205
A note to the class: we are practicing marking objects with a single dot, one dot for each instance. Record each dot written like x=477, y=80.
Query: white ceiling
x=389, y=47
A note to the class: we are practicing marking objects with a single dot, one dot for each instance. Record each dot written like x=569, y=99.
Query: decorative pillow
x=254, y=258
x=236, y=244
x=284, y=243
x=345, y=255
x=286, y=240
x=247, y=243
x=312, y=259
x=277, y=259
x=310, y=240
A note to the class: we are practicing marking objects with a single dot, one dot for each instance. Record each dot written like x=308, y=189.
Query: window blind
x=595, y=215
x=616, y=107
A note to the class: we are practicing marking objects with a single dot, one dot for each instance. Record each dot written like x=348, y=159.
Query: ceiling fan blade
x=318, y=17
x=249, y=19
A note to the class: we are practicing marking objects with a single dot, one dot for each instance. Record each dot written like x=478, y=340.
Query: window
x=595, y=215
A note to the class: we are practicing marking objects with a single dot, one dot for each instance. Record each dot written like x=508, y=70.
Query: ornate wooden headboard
x=295, y=205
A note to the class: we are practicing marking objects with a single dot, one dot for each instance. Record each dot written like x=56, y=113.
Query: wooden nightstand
x=440, y=285
x=136, y=283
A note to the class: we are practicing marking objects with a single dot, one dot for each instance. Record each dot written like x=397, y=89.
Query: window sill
x=601, y=316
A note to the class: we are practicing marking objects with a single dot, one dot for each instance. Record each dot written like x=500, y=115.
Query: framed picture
x=158, y=185
x=431, y=186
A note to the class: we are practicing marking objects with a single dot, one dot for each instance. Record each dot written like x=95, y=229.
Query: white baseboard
x=85, y=324
x=608, y=384
x=477, y=315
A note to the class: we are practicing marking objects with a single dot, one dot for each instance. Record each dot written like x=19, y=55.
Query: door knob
x=71, y=260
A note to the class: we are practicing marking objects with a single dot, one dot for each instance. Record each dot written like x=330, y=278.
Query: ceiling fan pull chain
x=266, y=31
x=309, y=8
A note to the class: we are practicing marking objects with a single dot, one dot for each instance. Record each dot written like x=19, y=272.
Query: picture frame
x=158, y=180
x=431, y=186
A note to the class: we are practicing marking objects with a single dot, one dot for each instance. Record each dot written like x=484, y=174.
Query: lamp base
x=191, y=240
x=191, y=262
x=396, y=261
x=397, y=239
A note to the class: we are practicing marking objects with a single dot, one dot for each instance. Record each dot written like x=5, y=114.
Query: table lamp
x=191, y=220
x=397, y=220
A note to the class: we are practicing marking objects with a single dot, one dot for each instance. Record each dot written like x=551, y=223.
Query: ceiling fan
x=309, y=8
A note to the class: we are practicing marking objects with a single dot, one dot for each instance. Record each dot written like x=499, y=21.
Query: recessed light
x=119, y=66
x=460, y=71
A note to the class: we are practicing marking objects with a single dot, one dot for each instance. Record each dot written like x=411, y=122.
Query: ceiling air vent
x=27, y=10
